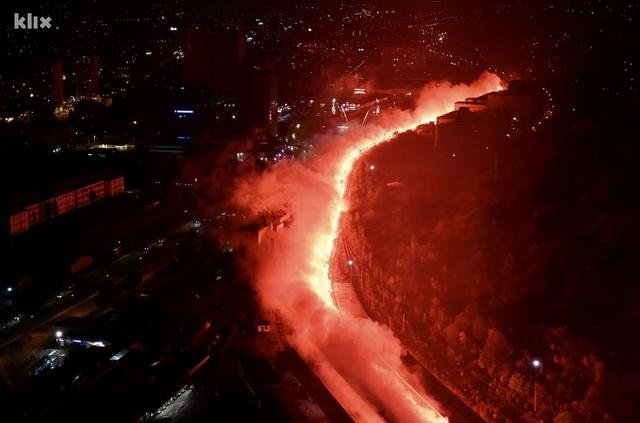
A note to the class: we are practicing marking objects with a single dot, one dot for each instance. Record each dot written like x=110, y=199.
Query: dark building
x=86, y=72
x=57, y=74
x=212, y=58
x=258, y=95
x=458, y=128
x=512, y=110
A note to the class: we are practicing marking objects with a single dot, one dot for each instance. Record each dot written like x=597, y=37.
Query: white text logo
x=31, y=22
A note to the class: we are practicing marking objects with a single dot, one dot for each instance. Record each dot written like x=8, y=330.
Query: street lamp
x=536, y=365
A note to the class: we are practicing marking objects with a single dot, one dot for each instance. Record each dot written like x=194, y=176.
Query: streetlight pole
x=536, y=364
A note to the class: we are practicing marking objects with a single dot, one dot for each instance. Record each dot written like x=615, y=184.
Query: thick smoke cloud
x=358, y=359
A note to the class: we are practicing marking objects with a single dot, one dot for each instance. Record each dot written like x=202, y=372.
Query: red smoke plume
x=358, y=359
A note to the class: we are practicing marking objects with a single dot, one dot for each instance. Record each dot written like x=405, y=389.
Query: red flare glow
x=358, y=359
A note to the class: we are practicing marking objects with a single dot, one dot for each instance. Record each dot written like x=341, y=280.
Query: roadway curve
x=348, y=302
x=359, y=360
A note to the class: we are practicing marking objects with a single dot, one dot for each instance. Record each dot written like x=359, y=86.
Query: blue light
x=183, y=111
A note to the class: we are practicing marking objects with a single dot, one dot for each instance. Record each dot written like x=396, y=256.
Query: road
x=348, y=301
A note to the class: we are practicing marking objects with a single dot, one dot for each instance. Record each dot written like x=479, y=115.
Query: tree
x=564, y=416
x=479, y=328
x=518, y=385
x=496, y=349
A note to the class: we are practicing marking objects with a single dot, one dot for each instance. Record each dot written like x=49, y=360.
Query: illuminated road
x=345, y=299
x=380, y=390
x=347, y=302
x=359, y=361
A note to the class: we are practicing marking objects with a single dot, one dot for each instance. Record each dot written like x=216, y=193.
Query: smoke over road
x=358, y=359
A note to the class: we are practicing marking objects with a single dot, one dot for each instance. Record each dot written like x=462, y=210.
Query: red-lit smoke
x=358, y=359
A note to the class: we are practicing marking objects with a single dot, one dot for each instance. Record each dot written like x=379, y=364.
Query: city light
x=365, y=199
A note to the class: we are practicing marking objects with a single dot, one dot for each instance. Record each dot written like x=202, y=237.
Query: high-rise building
x=259, y=99
x=212, y=58
x=86, y=70
x=57, y=74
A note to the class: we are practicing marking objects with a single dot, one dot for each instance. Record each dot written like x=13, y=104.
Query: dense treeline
x=510, y=250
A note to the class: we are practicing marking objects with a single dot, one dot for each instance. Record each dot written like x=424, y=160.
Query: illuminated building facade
x=63, y=203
